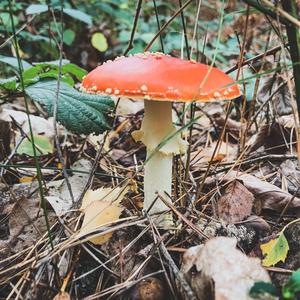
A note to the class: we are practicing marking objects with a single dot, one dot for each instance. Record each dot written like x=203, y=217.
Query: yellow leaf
x=275, y=250
x=99, y=41
x=101, y=207
x=26, y=179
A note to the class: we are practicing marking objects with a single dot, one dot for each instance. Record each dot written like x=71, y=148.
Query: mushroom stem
x=156, y=129
x=158, y=169
x=158, y=181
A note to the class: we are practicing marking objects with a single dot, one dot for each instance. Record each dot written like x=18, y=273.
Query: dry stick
x=256, y=58
x=266, y=11
x=17, y=32
x=289, y=12
x=241, y=58
x=195, y=28
x=158, y=26
x=183, y=218
x=167, y=24
x=136, y=18
x=254, y=98
x=192, y=107
x=199, y=190
x=177, y=273
x=55, y=109
x=157, y=244
x=184, y=31
x=99, y=153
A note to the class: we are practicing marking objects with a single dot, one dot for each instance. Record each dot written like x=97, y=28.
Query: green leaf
x=74, y=70
x=36, y=9
x=54, y=74
x=30, y=73
x=292, y=286
x=42, y=144
x=13, y=62
x=78, y=112
x=69, y=36
x=79, y=15
x=9, y=83
x=51, y=63
x=5, y=20
x=51, y=70
x=261, y=288
x=99, y=41
x=275, y=250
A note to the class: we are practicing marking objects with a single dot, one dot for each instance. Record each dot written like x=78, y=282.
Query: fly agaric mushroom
x=160, y=79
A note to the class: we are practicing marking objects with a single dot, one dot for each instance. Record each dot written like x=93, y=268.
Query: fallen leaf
x=26, y=221
x=258, y=224
x=40, y=126
x=43, y=146
x=101, y=207
x=290, y=176
x=270, y=196
x=231, y=270
x=236, y=203
x=128, y=106
x=282, y=98
x=148, y=289
x=225, y=152
x=231, y=125
x=58, y=192
x=276, y=250
x=26, y=179
x=274, y=137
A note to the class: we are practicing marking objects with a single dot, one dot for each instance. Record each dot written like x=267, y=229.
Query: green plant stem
x=37, y=165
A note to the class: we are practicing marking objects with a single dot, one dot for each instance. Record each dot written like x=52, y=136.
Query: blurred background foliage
x=94, y=31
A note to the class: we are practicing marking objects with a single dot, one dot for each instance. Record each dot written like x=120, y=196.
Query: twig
x=266, y=11
x=177, y=273
x=136, y=18
x=167, y=24
x=288, y=15
x=55, y=107
x=158, y=26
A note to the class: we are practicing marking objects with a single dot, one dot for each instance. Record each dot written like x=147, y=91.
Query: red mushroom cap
x=156, y=76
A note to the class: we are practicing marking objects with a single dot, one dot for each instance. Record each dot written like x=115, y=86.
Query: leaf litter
x=229, y=210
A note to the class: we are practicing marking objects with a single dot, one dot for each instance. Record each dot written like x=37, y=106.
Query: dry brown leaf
x=281, y=101
x=58, y=192
x=231, y=125
x=149, y=289
x=267, y=194
x=101, y=207
x=27, y=222
x=275, y=138
x=257, y=223
x=290, y=176
x=236, y=203
x=231, y=270
x=225, y=151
